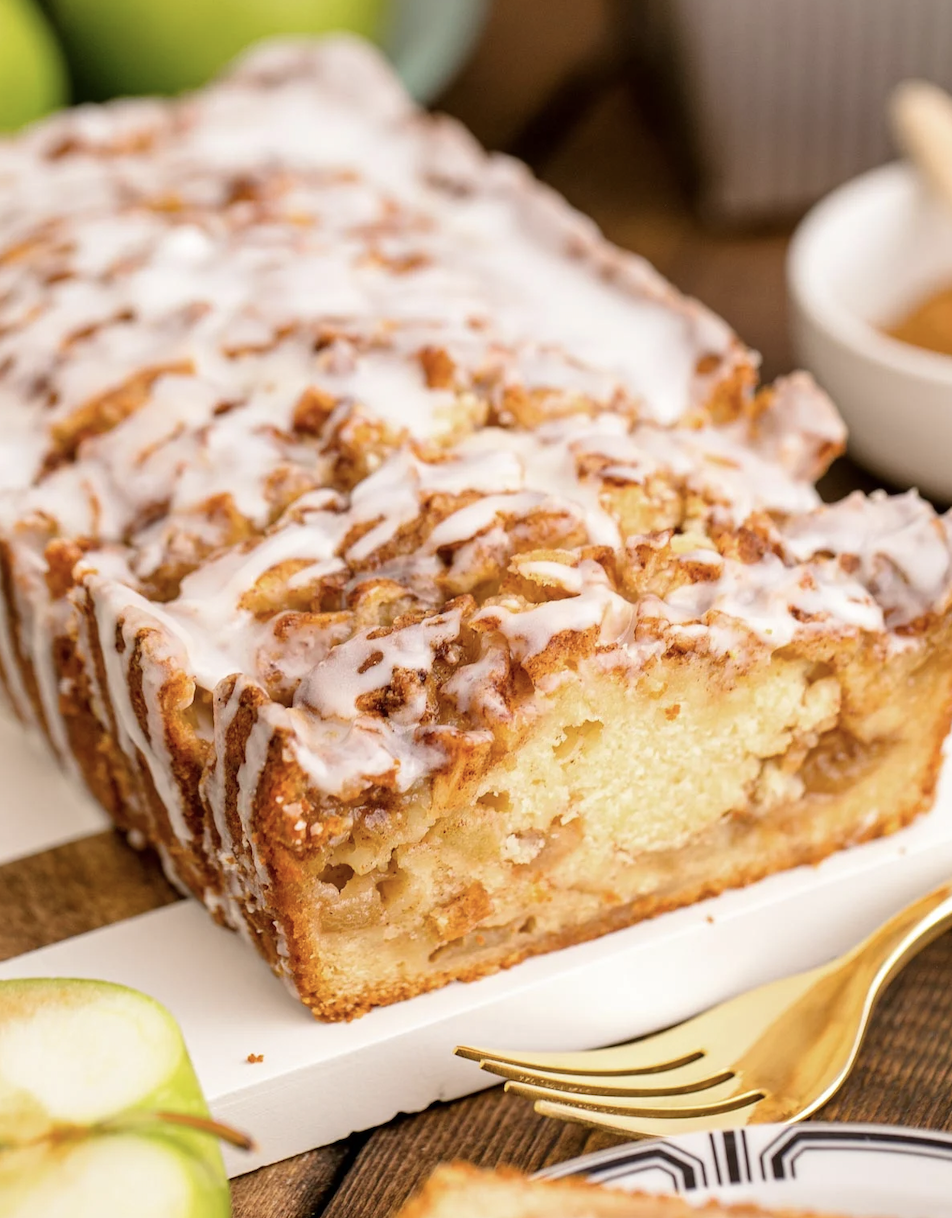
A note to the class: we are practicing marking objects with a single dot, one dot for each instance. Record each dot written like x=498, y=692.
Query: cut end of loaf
x=426, y=579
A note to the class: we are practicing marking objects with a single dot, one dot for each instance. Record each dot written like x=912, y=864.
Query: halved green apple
x=101, y=1115
x=32, y=70
x=164, y=46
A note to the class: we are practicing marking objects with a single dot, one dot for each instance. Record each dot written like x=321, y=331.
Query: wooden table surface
x=610, y=166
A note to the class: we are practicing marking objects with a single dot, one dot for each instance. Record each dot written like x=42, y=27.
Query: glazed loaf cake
x=457, y=1190
x=423, y=577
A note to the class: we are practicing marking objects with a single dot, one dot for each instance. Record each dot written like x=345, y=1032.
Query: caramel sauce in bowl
x=870, y=280
x=928, y=325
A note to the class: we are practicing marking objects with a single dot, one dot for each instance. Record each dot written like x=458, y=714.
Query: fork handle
x=883, y=953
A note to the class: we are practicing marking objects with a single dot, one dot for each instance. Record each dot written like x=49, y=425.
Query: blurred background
x=694, y=131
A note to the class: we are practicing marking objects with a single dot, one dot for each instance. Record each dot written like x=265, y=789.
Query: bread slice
x=424, y=578
x=458, y=1190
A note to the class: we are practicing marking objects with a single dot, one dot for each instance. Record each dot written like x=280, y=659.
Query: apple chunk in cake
x=424, y=578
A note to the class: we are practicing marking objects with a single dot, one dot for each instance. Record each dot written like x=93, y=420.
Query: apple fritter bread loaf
x=457, y=1190
x=425, y=579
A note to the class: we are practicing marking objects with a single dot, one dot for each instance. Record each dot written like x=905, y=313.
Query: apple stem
x=234, y=1137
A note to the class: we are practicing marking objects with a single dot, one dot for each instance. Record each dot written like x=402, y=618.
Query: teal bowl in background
x=429, y=40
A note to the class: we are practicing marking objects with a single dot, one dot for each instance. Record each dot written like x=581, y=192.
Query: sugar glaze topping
x=322, y=395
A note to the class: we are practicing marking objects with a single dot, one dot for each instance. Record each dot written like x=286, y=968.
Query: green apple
x=163, y=46
x=32, y=72
x=101, y=1115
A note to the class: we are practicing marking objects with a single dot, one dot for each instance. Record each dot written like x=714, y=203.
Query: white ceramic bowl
x=862, y=256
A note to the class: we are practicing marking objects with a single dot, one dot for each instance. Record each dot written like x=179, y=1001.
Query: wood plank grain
x=503, y=86
x=76, y=888
x=904, y=1076
x=296, y=1188
x=489, y=1128
x=904, y=1072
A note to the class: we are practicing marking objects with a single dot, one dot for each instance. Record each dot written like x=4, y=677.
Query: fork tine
x=642, y=1127
x=654, y=1055
x=694, y=1077
x=722, y=1098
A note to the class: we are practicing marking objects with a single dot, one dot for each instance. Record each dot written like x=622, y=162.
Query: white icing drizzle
x=367, y=662
x=548, y=456
x=767, y=598
x=229, y=900
x=11, y=667
x=902, y=549
x=49, y=620
x=711, y=462
x=12, y=675
x=257, y=877
x=343, y=760
x=122, y=613
x=349, y=416
x=530, y=631
x=800, y=427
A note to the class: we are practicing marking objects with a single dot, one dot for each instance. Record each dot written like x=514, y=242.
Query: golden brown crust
x=373, y=566
x=456, y=1186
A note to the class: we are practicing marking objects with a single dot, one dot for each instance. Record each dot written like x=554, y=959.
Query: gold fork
x=776, y=1053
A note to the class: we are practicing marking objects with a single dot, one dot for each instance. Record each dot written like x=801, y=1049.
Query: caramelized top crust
x=306, y=385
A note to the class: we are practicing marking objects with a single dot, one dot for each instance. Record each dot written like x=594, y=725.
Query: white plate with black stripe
x=882, y=1171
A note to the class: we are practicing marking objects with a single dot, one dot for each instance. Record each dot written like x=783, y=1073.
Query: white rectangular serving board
x=40, y=806
x=320, y=1082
